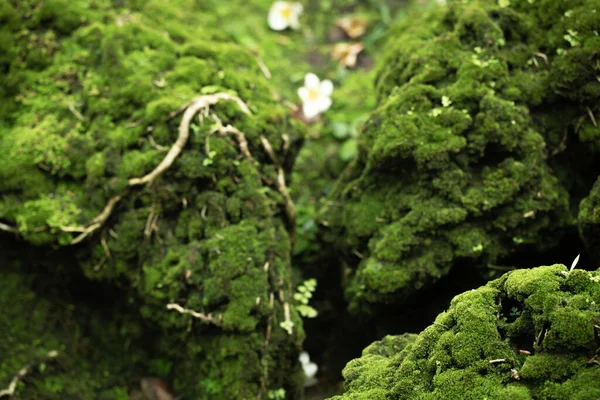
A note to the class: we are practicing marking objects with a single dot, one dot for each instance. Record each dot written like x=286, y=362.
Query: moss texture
x=531, y=334
x=87, y=95
x=483, y=109
x=100, y=347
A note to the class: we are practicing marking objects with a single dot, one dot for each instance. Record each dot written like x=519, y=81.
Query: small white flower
x=310, y=369
x=284, y=14
x=315, y=95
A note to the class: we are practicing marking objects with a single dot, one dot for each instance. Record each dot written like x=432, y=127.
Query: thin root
x=208, y=318
x=184, y=131
x=191, y=108
x=12, y=386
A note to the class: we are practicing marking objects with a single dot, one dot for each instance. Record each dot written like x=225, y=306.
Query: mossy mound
x=100, y=348
x=483, y=139
x=89, y=98
x=531, y=334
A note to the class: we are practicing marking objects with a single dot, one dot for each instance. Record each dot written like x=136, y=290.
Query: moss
x=522, y=336
x=459, y=160
x=99, y=346
x=91, y=86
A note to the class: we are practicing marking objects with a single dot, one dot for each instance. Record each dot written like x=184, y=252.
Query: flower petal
x=297, y=7
x=295, y=17
x=294, y=22
x=323, y=104
x=275, y=20
x=310, y=369
x=326, y=88
x=303, y=93
x=304, y=358
x=310, y=110
x=311, y=80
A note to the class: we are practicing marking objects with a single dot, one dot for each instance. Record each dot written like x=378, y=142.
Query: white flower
x=310, y=369
x=284, y=14
x=315, y=95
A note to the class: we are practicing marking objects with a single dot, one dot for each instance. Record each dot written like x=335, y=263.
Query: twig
x=12, y=386
x=208, y=318
x=497, y=361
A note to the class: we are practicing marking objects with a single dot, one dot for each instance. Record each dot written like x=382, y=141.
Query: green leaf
x=349, y=149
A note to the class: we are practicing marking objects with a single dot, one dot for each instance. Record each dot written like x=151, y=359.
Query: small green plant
x=277, y=394
x=303, y=295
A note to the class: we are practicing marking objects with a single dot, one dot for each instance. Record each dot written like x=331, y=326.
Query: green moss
x=518, y=337
x=99, y=347
x=458, y=161
x=90, y=88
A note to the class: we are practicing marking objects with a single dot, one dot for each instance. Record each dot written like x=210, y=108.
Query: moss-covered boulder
x=483, y=138
x=531, y=334
x=153, y=149
x=65, y=345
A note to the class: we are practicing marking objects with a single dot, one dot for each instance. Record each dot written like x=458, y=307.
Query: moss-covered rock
x=70, y=346
x=89, y=96
x=531, y=334
x=484, y=128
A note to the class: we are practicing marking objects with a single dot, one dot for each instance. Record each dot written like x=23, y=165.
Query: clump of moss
x=99, y=347
x=531, y=334
x=91, y=89
x=483, y=107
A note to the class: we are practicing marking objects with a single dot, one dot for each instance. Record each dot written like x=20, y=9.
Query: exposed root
x=150, y=225
x=191, y=109
x=290, y=208
x=208, y=318
x=12, y=386
x=184, y=131
x=265, y=376
x=232, y=130
x=95, y=223
x=75, y=112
